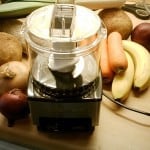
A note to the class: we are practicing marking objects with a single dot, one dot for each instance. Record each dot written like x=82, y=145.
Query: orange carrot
x=107, y=73
x=116, y=54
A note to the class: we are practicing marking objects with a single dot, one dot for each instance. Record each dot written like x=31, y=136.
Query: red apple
x=141, y=34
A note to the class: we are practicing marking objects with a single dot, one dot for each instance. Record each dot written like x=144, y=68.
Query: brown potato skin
x=10, y=48
x=116, y=19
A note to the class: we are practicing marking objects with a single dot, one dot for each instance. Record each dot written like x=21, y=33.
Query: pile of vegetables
x=14, y=72
x=125, y=57
x=126, y=63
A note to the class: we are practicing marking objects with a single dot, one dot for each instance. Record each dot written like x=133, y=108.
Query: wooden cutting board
x=118, y=128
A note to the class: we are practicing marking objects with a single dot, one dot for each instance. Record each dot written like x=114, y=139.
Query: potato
x=14, y=27
x=116, y=19
x=10, y=48
x=11, y=26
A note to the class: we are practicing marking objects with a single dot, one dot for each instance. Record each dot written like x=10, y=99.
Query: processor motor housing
x=72, y=113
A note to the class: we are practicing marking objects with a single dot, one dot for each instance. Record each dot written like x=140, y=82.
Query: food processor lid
x=64, y=28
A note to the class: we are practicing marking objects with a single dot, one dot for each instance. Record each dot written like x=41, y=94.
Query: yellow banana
x=122, y=83
x=141, y=59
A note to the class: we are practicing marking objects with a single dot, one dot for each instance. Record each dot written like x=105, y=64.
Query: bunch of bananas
x=137, y=75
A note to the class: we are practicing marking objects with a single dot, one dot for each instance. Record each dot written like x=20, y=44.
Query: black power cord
x=124, y=106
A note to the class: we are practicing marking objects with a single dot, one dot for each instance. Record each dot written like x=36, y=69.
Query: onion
x=14, y=105
x=13, y=74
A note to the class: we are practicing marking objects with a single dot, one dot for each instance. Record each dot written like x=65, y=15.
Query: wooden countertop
x=118, y=128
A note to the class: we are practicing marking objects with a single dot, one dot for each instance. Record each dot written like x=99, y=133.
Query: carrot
x=116, y=54
x=107, y=73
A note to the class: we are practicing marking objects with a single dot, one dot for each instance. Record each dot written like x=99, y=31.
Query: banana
x=122, y=83
x=141, y=58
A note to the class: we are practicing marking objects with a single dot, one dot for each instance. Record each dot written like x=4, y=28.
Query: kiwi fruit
x=115, y=19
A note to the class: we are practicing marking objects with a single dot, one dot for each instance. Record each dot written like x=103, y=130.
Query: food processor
x=65, y=84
